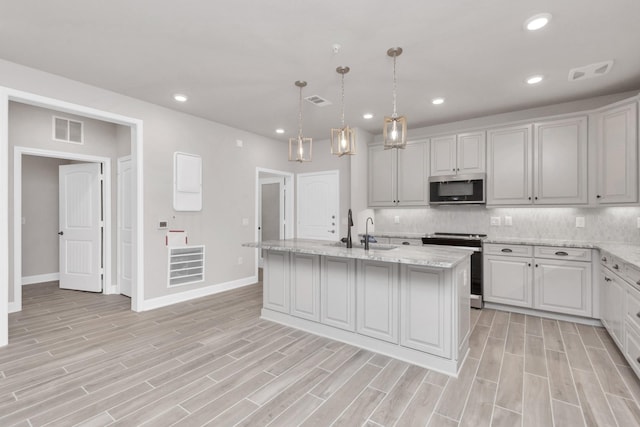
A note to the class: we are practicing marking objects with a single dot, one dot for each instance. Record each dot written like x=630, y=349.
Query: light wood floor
x=82, y=359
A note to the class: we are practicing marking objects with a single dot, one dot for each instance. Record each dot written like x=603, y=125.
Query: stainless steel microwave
x=457, y=189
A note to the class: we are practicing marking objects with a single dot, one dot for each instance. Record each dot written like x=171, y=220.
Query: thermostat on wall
x=163, y=225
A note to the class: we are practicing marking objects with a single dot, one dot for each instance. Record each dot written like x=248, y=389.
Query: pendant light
x=395, y=128
x=300, y=148
x=343, y=140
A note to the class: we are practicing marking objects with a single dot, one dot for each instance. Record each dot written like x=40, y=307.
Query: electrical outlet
x=245, y=221
x=508, y=221
x=580, y=222
x=240, y=260
x=396, y=219
x=239, y=143
x=495, y=220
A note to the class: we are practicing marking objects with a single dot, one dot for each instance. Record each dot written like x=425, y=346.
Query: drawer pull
x=506, y=250
x=562, y=253
x=638, y=283
x=606, y=279
x=638, y=314
x=604, y=259
x=616, y=267
x=638, y=360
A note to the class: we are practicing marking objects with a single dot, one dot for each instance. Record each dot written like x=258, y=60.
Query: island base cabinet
x=275, y=293
x=377, y=301
x=338, y=292
x=425, y=299
x=305, y=286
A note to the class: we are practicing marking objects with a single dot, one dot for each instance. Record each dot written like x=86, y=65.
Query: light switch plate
x=580, y=222
x=495, y=220
x=396, y=219
x=245, y=221
x=508, y=221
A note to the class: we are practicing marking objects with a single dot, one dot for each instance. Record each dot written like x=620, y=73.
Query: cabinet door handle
x=406, y=243
x=536, y=198
x=561, y=253
x=606, y=279
x=331, y=231
x=529, y=197
x=506, y=250
x=638, y=283
x=638, y=314
x=529, y=264
x=638, y=360
x=616, y=267
x=598, y=196
x=536, y=265
x=603, y=259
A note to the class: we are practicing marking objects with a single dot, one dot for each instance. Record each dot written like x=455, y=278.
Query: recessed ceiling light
x=367, y=116
x=279, y=130
x=537, y=21
x=534, y=80
x=180, y=97
x=437, y=101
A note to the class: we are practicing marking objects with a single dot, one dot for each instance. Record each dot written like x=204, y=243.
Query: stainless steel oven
x=472, y=241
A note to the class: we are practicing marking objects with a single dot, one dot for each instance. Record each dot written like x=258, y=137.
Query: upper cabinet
x=458, y=154
x=398, y=177
x=543, y=164
x=617, y=165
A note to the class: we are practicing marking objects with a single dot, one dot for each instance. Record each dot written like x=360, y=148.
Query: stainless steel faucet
x=366, y=233
x=349, y=224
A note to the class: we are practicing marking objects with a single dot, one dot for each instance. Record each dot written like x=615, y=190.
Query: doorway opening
x=274, y=207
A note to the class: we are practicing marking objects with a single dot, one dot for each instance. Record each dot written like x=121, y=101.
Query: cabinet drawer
x=508, y=250
x=632, y=274
x=412, y=242
x=633, y=307
x=632, y=347
x=573, y=254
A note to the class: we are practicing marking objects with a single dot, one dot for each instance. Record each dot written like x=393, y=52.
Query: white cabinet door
x=382, y=176
x=560, y=162
x=338, y=292
x=471, y=153
x=509, y=166
x=305, y=286
x=443, y=155
x=463, y=282
x=276, y=281
x=617, y=141
x=377, y=303
x=508, y=280
x=423, y=301
x=412, y=175
x=563, y=286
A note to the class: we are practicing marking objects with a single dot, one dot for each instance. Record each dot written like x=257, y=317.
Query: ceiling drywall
x=237, y=60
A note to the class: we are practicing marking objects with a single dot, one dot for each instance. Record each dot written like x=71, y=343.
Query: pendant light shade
x=395, y=127
x=300, y=148
x=343, y=139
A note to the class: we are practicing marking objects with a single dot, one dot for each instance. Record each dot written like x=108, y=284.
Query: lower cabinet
x=338, y=292
x=305, y=286
x=423, y=296
x=275, y=294
x=377, y=302
x=549, y=278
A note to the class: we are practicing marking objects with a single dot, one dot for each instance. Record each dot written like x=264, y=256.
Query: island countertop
x=430, y=256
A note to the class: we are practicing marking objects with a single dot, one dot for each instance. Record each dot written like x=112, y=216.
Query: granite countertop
x=440, y=256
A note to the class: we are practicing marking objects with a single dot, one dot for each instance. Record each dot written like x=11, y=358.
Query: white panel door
x=80, y=227
x=125, y=225
x=318, y=204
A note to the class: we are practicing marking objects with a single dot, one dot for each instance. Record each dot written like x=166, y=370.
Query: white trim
x=136, y=125
x=119, y=161
x=289, y=204
x=40, y=278
x=17, y=212
x=159, y=302
x=545, y=314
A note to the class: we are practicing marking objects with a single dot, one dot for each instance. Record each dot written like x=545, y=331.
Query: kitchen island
x=410, y=303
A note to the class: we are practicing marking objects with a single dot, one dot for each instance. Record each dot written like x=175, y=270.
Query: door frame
x=105, y=244
x=136, y=126
x=120, y=201
x=282, y=200
x=288, y=205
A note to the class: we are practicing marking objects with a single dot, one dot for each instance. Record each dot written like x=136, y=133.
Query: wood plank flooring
x=80, y=359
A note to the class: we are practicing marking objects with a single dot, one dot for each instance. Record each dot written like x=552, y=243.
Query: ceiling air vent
x=318, y=100
x=67, y=130
x=590, y=71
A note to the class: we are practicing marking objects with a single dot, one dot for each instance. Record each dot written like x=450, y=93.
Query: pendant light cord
x=300, y=117
x=395, y=114
x=342, y=100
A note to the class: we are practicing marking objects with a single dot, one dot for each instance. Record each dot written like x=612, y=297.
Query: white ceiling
x=237, y=60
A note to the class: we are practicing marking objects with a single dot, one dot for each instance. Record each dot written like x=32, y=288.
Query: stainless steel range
x=471, y=241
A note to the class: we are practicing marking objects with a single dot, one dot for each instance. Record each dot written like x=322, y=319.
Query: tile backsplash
x=614, y=224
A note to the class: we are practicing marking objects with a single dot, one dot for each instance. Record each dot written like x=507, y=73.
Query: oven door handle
x=456, y=247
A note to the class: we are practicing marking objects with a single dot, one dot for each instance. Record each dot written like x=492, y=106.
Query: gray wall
x=40, y=249
x=228, y=172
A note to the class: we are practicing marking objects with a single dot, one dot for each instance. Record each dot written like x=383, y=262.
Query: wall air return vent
x=186, y=265
x=318, y=100
x=67, y=130
x=590, y=71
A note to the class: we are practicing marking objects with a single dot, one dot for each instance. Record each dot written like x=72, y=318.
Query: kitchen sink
x=372, y=246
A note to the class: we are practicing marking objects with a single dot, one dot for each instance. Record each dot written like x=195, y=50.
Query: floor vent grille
x=186, y=265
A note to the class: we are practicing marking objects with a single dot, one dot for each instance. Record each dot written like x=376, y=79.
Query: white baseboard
x=167, y=300
x=545, y=314
x=14, y=307
x=40, y=278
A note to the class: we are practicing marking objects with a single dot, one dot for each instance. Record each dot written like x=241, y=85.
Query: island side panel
x=377, y=300
x=305, y=286
x=338, y=292
x=276, y=281
x=463, y=312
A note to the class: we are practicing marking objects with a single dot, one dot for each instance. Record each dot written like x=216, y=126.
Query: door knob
x=61, y=233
